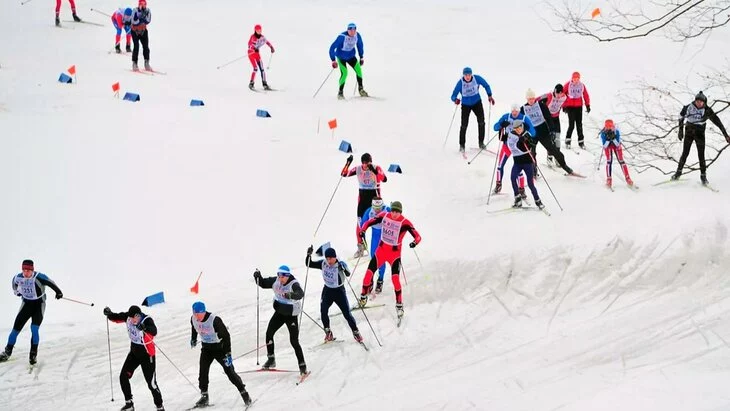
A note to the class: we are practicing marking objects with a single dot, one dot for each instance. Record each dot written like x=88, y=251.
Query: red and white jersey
x=255, y=43
x=577, y=94
x=554, y=103
x=393, y=228
x=366, y=179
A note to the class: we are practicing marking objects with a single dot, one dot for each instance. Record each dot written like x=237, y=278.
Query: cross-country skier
x=611, y=140
x=216, y=345
x=342, y=53
x=573, y=106
x=395, y=226
x=141, y=17
x=504, y=126
x=255, y=43
x=334, y=273
x=122, y=18
x=554, y=101
x=30, y=285
x=517, y=140
x=696, y=114
x=288, y=295
x=73, y=11
x=142, y=331
x=376, y=208
x=538, y=113
x=369, y=177
x=468, y=87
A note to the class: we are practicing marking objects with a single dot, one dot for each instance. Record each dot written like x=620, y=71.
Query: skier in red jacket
x=257, y=41
x=573, y=106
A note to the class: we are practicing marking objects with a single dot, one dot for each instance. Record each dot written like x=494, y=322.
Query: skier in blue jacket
x=468, y=86
x=372, y=212
x=342, y=53
x=504, y=127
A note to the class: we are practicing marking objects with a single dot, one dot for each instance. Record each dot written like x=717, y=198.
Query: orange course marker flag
x=596, y=12
x=72, y=70
x=115, y=87
x=194, y=289
x=332, y=124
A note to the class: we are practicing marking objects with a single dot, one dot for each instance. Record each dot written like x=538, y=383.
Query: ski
x=400, y=319
x=264, y=370
x=197, y=407
x=162, y=73
x=574, y=174
x=711, y=188
x=365, y=347
x=64, y=27
x=367, y=307
x=665, y=182
x=511, y=209
x=84, y=22
x=610, y=188
x=303, y=377
x=463, y=155
x=144, y=72
x=250, y=405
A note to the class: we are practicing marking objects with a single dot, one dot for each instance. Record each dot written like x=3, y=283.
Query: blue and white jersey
x=280, y=290
x=610, y=136
x=512, y=140
x=331, y=274
x=469, y=90
x=344, y=47
x=32, y=288
x=370, y=214
x=521, y=116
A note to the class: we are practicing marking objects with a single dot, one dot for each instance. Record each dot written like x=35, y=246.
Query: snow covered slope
x=618, y=302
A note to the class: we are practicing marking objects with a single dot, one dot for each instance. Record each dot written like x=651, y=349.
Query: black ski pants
x=546, y=139
x=207, y=355
x=338, y=296
x=276, y=321
x=137, y=358
x=140, y=37
x=575, y=121
x=697, y=135
x=478, y=110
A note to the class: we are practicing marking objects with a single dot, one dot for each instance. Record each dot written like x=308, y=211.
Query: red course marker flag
x=115, y=87
x=194, y=289
x=72, y=70
x=332, y=124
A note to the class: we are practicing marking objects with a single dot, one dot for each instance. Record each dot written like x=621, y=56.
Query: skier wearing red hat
x=573, y=106
x=611, y=139
x=141, y=17
x=257, y=41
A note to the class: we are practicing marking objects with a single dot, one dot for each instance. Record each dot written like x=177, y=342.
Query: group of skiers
x=134, y=21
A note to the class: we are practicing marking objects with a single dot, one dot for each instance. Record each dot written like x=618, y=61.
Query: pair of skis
x=707, y=186
x=300, y=380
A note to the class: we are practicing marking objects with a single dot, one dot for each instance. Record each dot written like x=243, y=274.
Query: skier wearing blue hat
x=122, y=18
x=342, y=53
x=288, y=295
x=216, y=345
x=468, y=86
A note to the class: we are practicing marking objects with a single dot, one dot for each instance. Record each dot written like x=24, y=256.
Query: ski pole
x=97, y=11
x=325, y=80
x=109, y=346
x=418, y=258
x=403, y=271
x=548, y=186
x=347, y=165
x=230, y=62
x=313, y=320
x=77, y=302
x=481, y=149
x=25, y=2
x=306, y=277
x=453, y=116
x=600, y=158
x=268, y=65
x=494, y=172
x=361, y=309
x=250, y=352
x=258, y=323
x=173, y=364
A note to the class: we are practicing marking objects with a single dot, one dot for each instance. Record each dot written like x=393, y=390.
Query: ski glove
x=59, y=296
x=140, y=326
x=457, y=101
x=588, y=108
x=413, y=244
x=349, y=159
x=342, y=268
x=681, y=133
x=228, y=360
x=310, y=250
x=193, y=343
x=257, y=276
x=362, y=61
x=272, y=49
x=372, y=168
x=107, y=311
x=504, y=124
x=334, y=64
x=491, y=100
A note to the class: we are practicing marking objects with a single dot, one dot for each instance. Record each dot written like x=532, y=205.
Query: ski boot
x=161, y=408
x=399, y=309
x=498, y=188
x=246, y=398
x=204, y=400
x=363, y=93
x=5, y=355
x=703, y=179
x=33, y=356
x=76, y=18
x=266, y=86
x=518, y=202
x=128, y=406
x=129, y=48
x=328, y=336
x=58, y=21
x=358, y=337
x=482, y=146
x=462, y=150
x=629, y=181
x=550, y=162
x=522, y=193
x=379, y=287
x=118, y=48
x=302, y=368
x=539, y=204
x=269, y=364
x=340, y=95
x=147, y=66
x=609, y=182
x=567, y=144
x=581, y=145
x=250, y=85
x=134, y=66
x=675, y=177
x=363, y=300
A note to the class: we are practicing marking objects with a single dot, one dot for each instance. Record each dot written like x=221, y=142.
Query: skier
x=395, y=226
x=504, y=126
x=342, y=53
x=573, y=106
x=216, y=345
x=376, y=208
x=30, y=285
x=369, y=177
x=141, y=17
x=611, y=140
x=468, y=86
x=257, y=41
x=554, y=102
x=288, y=295
x=517, y=140
x=696, y=113
x=73, y=11
x=334, y=273
x=538, y=113
x=142, y=331
x=122, y=19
